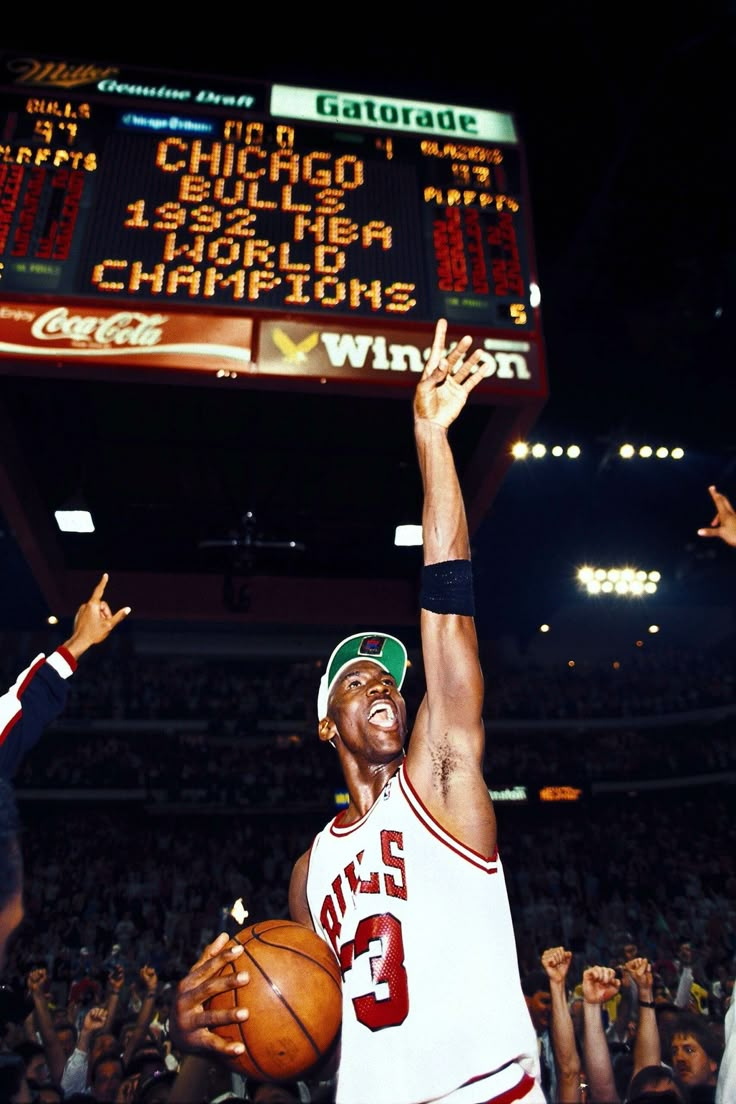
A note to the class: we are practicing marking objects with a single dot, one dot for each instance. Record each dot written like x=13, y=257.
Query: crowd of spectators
x=172, y=787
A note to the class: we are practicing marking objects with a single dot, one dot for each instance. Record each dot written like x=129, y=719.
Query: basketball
x=294, y=998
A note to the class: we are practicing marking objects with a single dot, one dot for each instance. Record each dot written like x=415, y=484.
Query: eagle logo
x=292, y=352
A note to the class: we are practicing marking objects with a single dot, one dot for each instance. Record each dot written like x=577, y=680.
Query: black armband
x=447, y=587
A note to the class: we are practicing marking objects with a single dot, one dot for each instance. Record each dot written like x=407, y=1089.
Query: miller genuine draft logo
x=34, y=73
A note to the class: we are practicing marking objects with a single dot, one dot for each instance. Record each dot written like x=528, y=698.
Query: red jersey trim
x=29, y=675
x=487, y=863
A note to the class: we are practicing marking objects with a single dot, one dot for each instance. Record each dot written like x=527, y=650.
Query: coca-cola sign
x=131, y=328
x=187, y=342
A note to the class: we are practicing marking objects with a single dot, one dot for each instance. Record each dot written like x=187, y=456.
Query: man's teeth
x=381, y=707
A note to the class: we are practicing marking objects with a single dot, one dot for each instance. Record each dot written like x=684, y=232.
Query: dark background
x=628, y=136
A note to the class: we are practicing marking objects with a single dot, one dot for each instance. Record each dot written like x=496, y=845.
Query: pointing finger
x=100, y=588
x=438, y=347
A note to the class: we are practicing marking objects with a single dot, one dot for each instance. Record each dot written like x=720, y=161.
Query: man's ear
x=327, y=730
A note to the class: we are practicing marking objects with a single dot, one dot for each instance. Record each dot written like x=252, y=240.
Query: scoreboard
x=179, y=191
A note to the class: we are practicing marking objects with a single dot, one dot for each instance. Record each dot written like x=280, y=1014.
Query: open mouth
x=383, y=714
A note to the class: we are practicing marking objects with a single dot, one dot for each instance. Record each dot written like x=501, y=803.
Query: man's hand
x=94, y=1020
x=36, y=982
x=191, y=1023
x=640, y=969
x=446, y=380
x=94, y=621
x=600, y=984
x=556, y=962
x=149, y=977
x=116, y=979
x=723, y=524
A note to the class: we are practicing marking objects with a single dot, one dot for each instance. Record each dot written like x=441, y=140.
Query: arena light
x=522, y=450
x=628, y=451
x=408, y=536
x=74, y=521
x=622, y=582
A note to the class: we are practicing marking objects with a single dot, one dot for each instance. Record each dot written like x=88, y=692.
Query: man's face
x=67, y=1038
x=630, y=951
x=105, y=1040
x=108, y=1075
x=690, y=1062
x=539, y=1005
x=37, y=1071
x=368, y=710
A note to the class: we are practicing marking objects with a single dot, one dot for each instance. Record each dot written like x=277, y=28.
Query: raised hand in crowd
x=723, y=524
x=149, y=977
x=74, y=1078
x=556, y=963
x=600, y=985
x=647, y=1044
x=41, y=1023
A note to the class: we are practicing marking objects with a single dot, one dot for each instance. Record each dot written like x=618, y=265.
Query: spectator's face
x=108, y=1075
x=630, y=951
x=67, y=1040
x=102, y=1042
x=539, y=1006
x=690, y=1062
x=37, y=1071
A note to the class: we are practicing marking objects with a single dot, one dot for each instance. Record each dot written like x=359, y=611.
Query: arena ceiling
x=634, y=240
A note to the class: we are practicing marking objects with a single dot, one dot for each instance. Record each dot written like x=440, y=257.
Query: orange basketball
x=294, y=998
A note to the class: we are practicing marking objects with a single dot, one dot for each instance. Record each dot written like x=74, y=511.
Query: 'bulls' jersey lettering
x=391, y=880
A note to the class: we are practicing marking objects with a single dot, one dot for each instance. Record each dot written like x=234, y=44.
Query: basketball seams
x=298, y=1030
x=281, y=997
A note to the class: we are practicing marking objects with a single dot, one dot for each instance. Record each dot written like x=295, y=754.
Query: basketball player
x=406, y=884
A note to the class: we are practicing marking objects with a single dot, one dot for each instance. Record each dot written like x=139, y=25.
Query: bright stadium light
x=74, y=521
x=621, y=581
x=408, y=536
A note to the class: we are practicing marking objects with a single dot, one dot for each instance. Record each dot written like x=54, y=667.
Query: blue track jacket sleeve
x=35, y=699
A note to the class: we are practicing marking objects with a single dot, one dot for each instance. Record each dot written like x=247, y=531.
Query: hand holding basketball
x=293, y=1000
x=192, y=1024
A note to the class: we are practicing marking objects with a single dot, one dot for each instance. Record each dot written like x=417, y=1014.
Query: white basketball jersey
x=421, y=925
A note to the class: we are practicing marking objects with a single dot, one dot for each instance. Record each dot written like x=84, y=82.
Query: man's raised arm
x=448, y=733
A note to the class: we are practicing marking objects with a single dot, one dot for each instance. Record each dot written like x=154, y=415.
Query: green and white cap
x=385, y=650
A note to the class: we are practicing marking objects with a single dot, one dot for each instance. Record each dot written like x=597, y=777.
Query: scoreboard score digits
x=390, y=211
